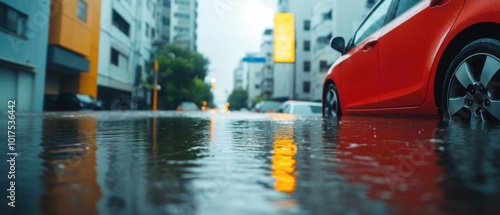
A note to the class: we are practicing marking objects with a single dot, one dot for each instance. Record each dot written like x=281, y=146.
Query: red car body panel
x=408, y=51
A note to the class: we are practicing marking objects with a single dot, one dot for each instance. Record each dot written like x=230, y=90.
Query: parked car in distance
x=420, y=58
x=267, y=107
x=75, y=101
x=300, y=107
x=187, y=106
x=50, y=102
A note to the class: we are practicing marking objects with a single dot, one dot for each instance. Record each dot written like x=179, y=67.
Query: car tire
x=471, y=89
x=331, y=102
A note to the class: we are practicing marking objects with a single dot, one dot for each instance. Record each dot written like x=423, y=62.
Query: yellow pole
x=155, y=88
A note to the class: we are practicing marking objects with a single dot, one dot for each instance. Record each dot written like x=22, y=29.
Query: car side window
x=405, y=5
x=374, y=21
x=286, y=109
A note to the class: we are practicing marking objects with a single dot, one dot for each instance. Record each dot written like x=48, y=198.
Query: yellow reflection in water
x=70, y=179
x=283, y=161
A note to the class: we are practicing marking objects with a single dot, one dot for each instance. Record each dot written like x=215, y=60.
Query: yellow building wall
x=68, y=31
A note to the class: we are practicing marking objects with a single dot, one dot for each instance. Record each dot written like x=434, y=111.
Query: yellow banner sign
x=284, y=38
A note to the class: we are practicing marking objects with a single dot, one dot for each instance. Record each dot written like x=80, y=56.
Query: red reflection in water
x=394, y=159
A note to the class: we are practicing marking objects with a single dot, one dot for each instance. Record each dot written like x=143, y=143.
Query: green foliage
x=181, y=76
x=238, y=99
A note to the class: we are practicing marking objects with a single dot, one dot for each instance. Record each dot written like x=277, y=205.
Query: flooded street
x=246, y=163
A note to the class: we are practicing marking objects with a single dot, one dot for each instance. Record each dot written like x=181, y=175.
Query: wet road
x=242, y=163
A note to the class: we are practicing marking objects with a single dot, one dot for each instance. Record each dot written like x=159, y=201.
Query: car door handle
x=369, y=45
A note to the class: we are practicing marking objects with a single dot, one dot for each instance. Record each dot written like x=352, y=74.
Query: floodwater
x=245, y=163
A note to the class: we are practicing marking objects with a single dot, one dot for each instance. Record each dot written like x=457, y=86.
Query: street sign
x=254, y=59
x=284, y=38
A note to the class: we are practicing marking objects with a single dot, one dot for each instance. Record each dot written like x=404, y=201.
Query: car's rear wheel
x=472, y=83
x=331, y=102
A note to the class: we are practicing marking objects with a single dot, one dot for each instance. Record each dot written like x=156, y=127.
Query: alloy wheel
x=474, y=89
x=331, y=103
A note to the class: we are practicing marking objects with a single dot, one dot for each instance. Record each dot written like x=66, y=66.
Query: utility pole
x=155, y=86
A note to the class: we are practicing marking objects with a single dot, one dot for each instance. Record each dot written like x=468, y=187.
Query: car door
x=359, y=86
x=407, y=47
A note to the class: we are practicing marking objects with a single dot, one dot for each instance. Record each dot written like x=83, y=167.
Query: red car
x=420, y=57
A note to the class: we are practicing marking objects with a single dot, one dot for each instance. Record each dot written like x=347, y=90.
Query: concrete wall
x=25, y=86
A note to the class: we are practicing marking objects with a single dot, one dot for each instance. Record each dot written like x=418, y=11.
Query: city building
x=253, y=63
x=165, y=21
x=128, y=30
x=179, y=22
x=73, y=49
x=24, y=27
x=239, y=77
x=267, y=49
x=331, y=19
x=293, y=81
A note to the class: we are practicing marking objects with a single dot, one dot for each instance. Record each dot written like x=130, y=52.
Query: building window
x=307, y=66
x=306, y=87
x=323, y=64
x=119, y=59
x=257, y=86
x=121, y=23
x=12, y=20
x=307, y=25
x=307, y=45
x=115, y=55
x=152, y=33
x=166, y=21
x=82, y=10
x=147, y=30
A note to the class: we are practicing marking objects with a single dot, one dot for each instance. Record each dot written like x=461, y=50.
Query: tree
x=181, y=76
x=238, y=99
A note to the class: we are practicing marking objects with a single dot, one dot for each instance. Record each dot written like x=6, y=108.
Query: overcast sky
x=227, y=29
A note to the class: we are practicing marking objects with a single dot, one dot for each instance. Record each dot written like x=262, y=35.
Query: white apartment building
x=128, y=30
x=182, y=23
x=267, y=50
x=239, y=77
x=253, y=71
x=293, y=81
x=332, y=18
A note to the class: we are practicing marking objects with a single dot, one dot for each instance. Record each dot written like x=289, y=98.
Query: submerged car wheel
x=331, y=102
x=472, y=84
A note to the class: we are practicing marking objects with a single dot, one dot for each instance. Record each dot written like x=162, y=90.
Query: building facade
x=73, y=49
x=182, y=23
x=267, y=50
x=127, y=34
x=299, y=73
x=253, y=67
x=24, y=29
x=239, y=77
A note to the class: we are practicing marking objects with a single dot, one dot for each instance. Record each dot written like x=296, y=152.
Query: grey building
x=267, y=50
x=299, y=74
x=179, y=22
x=23, y=53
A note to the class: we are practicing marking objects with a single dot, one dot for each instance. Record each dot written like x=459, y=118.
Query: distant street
x=248, y=163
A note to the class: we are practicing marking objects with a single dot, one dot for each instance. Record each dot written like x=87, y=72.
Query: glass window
x=374, y=21
x=405, y=5
x=307, y=45
x=82, y=10
x=114, y=56
x=306, y=87
x=323, y=64
x=307, y=25
x=12, y=20
x=307, y=66
x=120, y=23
